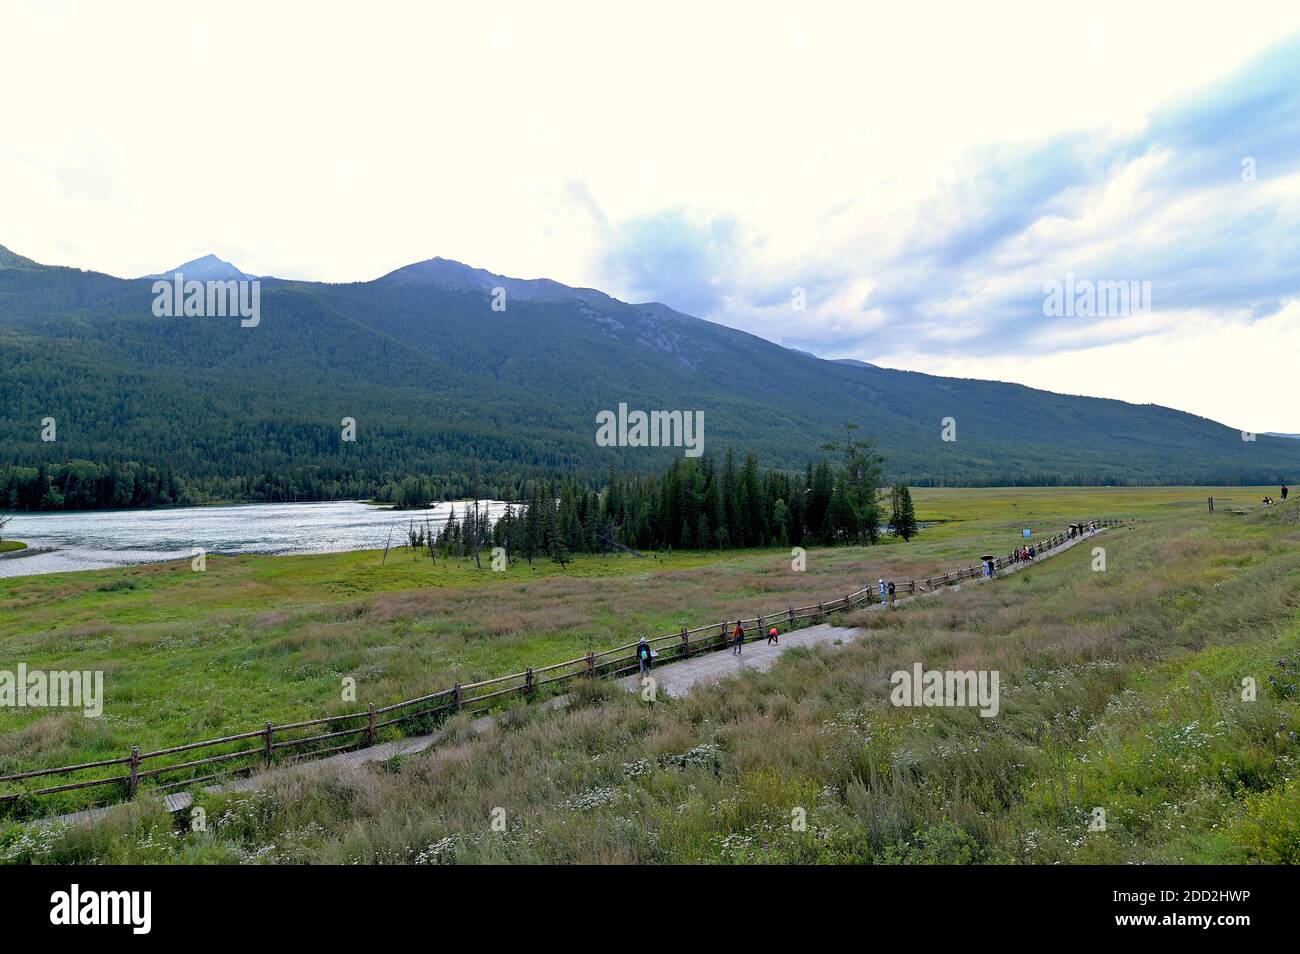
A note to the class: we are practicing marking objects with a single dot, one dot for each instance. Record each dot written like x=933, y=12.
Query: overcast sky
x=919, y=171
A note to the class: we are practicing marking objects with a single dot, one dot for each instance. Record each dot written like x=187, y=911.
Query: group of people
x=645, y=656
x=738, y=637
x=886, y=590
x=1269, y=501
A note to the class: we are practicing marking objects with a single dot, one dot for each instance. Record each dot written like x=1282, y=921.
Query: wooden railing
x=315, y=738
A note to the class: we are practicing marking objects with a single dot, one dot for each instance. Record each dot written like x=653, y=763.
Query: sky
x=897, y=183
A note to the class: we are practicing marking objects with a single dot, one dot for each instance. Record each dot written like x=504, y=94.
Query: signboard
x=1026, y=533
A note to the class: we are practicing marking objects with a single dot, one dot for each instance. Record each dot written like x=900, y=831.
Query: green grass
x=192, y=656
x=9, y=546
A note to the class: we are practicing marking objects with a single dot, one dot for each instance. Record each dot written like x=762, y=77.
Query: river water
x=89, y=540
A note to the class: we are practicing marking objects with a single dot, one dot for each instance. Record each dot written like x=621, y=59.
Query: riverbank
x=11, y=546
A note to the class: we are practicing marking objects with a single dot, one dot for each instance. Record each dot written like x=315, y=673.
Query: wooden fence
x=314, y=738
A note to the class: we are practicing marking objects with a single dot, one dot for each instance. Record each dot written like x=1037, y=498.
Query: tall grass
x=1121, y=691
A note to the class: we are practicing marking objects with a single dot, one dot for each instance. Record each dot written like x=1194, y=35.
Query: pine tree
x=560, y=552
x=861, y=473
x=907, y=514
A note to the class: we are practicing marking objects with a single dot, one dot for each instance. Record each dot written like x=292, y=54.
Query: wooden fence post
x=686, y=643
x=267, y=746
x=456, y=697
x=528, y=682
x=370, y=725
x=792, y=617
x=591, y=664
x=134, y=780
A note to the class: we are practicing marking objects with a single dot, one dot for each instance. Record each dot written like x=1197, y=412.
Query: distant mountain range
x=439, y=383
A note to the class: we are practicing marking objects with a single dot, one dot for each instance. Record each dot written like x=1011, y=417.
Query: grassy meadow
x=1120, y=690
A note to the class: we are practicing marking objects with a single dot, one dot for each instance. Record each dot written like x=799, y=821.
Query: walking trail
x=679, y=678
x=673, y=679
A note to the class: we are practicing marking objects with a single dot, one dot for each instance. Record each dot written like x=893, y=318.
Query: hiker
x=773, y=637
x=883, y=591
x=737, y=638
x=1092, y=527
x=643, y=655
x=1285, y=490
x=891, y=592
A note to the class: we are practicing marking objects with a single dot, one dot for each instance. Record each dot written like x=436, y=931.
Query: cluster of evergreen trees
x=693, y=505
x=83, y=485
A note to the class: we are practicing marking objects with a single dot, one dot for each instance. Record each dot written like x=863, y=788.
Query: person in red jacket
x=773, y=637
x=737, y=638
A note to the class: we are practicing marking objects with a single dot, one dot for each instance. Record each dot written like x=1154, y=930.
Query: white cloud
x=847, y=147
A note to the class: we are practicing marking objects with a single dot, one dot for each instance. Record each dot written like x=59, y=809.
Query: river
x=90, y=540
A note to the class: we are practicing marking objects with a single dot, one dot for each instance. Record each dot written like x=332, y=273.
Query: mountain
x=439, y=383
x=9, y=260
x=209, y=268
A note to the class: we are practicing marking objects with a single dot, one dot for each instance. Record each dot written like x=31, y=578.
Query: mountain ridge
x=206, y=268
x=441, y=383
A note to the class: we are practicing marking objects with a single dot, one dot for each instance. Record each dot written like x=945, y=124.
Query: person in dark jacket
x=643, y=655
x=891, y=592
x=1285, y=491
